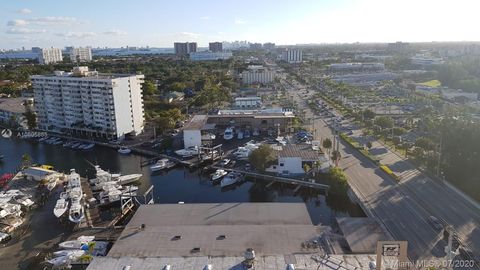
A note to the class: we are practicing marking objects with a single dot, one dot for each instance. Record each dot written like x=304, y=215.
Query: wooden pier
x=92, y=214
x=274, y=179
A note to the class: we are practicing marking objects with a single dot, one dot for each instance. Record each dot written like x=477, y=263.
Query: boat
x=230, y=179
x=68, y=252
x=76, y=213
x=88, y=146
x=218, y=174
x=104, y=176
x=256, y=132
x=228, y=134
x=246, y=134
x=161, y=164
x=225, y=162
x=68, y=143
x=188, y=152
x=242, y=152
x=102, y=185
x=124, y=150
x=112, y=194
x=60, y=207
x=9, y=209
x=2, y=156
x=75, y=145
x=239, y=135
x=60, y=261
x=43, y=139
x=77, y=243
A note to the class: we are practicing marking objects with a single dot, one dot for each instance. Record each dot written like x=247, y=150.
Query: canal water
x=177, y=184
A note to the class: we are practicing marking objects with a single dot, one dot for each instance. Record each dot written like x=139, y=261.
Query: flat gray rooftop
x=221, y=214
x=268, y=228
x=14, y=105
x=361, y=234
x=301, y=261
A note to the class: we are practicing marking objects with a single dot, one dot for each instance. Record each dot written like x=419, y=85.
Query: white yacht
x=78, y=243
x=231, y=179
x=76, y=213
x=68, y=252
x=228, y=134
x=218, y=175
x=161, y=164
x=240, y=135
x=224, y=162
x=124, y=150
x=60, y=207
x=104, y=176
x=188, y=152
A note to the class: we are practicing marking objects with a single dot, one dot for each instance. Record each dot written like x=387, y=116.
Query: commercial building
x=50, y=56
x=248, y=102
x=215, y=46
x=355, y=67
x=258, y=74
x=291, y=159
x=185, y=48
x=210, y=56
x=255, y=46
x=88, y=103
x=292, y=56
x=12, y=111
x=80, y=54
x=426, y=60
x=215, y=236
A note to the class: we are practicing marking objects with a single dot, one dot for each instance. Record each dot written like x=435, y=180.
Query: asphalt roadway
x=402, y=208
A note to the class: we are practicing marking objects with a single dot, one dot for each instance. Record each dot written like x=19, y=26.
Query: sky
x=159, y=23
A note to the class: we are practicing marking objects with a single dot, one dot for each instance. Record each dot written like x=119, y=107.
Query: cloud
x=114, y=32
x=52, y=20
x=24, y=11
x=17, y=23
x=76, y=34
x=240, y=21
x=205, y=18
x=189, y=34
x=25, y=31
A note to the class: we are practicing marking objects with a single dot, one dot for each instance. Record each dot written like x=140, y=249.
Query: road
x=402, y=208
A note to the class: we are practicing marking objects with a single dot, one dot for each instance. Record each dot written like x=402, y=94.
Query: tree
x=262, y=157
x=306, y=168
x=399, y=131
x=26, y=160
x=368, y=114
x=149, y=88
x=425, y=143
x=384, y=121
x=327, y=144
x=369, y=145
x=336, y=156
x=31, y=117
x=338, y=181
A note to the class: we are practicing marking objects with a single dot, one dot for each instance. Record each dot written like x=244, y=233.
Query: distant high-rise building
x=256, y=46
x=50, y=56
x=398, y=46
x=36, y=49
x=292, y=56
x=215, y=46
x=87, y=103
x=269, y=46
x=184, y=48
x=80, y=55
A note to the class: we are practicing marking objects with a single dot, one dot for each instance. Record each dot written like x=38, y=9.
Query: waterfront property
x=88, y=103
x=291, y=159
x=12, y=111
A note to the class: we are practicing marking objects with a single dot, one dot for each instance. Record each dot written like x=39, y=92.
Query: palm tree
x=327, y=144
x=336, y=157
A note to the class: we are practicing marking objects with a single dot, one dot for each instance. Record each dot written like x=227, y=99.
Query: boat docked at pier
x=162, y=164
x=218, y=175
x=104, y=176
x=230, y=179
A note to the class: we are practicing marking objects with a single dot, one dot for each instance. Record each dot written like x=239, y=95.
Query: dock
x=274, y=179
x=92, y=214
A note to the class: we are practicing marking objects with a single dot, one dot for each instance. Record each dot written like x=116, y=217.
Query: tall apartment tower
x=292, y=56
x=87, y=103
x=49, y=56
x=215, y=46
x=80, y=54
x=184, y=48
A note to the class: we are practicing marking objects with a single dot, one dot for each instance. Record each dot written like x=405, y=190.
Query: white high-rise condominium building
x=81, y=55
x=49, y=56
x=292, y=56
x=257, y=74
x=87, y=103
